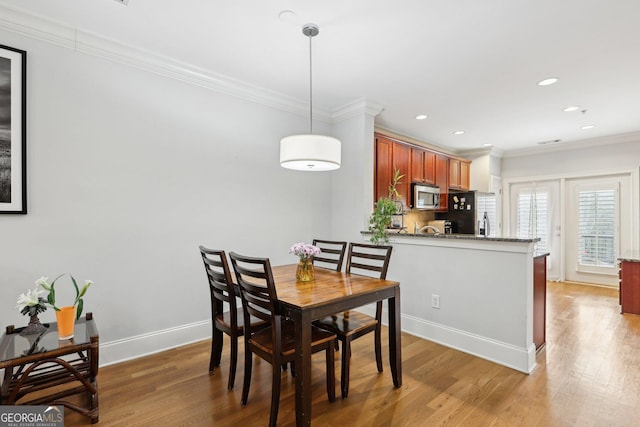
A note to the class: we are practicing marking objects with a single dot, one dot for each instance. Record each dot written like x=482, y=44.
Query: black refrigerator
x=471, y=212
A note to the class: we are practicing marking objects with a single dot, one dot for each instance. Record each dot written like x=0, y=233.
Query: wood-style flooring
x=588, y=375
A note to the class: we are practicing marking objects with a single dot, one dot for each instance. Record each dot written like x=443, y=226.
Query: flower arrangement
x=304, y=251
x=51, y=298
x=31, y=303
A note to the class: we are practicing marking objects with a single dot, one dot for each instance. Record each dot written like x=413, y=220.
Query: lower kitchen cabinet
x=630, y=286
x=539, y=300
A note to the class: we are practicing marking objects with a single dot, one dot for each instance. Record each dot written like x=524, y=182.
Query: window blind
x=533, y=217
x=596, y=228
x=486, y=202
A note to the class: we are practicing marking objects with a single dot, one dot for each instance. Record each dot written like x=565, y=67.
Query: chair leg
x=233, y=362
x=346, y=357
x=275, y=394
x=378, y=336
x=378, y=345
x=216, y=349
x=331, y=374
x=248, y=359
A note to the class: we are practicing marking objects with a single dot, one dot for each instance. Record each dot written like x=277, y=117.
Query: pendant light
x=309, y=152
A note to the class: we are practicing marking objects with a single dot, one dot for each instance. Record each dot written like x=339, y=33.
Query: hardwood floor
x=588, y=375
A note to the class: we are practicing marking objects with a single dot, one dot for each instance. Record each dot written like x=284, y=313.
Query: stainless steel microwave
x=425, y=197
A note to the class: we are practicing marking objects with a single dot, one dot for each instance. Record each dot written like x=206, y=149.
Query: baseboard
x=153, y=342
x=518, y=358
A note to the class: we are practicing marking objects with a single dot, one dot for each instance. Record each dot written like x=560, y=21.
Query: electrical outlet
x=435, y=301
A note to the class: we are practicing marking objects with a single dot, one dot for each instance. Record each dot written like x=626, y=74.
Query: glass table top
x=14, y=346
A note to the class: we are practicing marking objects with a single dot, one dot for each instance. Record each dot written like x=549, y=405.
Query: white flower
x=83, y=291
x=29, y=299
x=43, y=282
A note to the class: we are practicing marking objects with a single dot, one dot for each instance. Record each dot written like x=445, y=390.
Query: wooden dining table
x=331, y=292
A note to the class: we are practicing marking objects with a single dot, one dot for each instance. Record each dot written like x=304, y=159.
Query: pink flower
x=304, y=250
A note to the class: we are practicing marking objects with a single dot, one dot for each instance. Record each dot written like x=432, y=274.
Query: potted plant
x=383, y=212
x=67, y=315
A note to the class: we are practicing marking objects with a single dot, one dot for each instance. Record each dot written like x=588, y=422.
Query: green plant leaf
x=51, y=298
x=79, y=309
x=75, y=286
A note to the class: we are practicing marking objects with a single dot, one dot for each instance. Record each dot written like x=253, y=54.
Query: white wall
x=623, y=154
x=128, y=172
x=609, y=156
x=352, y=188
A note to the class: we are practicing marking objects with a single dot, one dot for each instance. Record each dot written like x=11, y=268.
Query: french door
x=595, y=212
x=535, y=208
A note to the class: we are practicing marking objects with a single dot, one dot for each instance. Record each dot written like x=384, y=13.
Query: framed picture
x=13, y=131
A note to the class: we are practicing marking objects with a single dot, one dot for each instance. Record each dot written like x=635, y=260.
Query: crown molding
x=355, y=108
x=477, y=152
x=45, y=29
x=576, y=145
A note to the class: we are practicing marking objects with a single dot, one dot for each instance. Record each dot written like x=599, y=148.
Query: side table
x=36, y=367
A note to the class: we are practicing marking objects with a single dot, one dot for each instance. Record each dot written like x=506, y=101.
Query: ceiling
x=469, y=65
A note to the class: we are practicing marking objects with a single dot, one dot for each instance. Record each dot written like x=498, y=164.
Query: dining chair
x=368, y=260
x=332, y=253
x=276, y=343
x=231, y=322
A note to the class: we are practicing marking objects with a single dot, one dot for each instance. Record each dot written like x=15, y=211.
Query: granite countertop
x=633, y=256
x=455, y=236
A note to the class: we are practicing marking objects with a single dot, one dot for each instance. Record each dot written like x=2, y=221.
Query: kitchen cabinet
x=383, y=171
x=630, y=286
x=417, y=164
x=389, y=156
x=459, y=174
x=401, y=155
x=539, y=300
x=442, y=179
x=422, y=166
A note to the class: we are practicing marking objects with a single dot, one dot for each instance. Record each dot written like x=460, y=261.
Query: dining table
x=331, y=292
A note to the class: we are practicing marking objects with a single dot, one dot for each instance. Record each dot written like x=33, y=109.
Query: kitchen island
x=468, y=292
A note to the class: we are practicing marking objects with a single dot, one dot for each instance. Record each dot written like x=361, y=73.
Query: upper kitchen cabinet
x=389, y=156
x=383, y=170
x=459, y=174
x=402, y=162
x=442, y=179
x=417, y=164
x=422, y=166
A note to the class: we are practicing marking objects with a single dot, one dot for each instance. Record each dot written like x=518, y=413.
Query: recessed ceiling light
x=571, y=108
x=421, y=116
x=588, y=127
x=487, y=145
x=458, y=132
x=288, y=16
x=550, y=141
x=547, y=82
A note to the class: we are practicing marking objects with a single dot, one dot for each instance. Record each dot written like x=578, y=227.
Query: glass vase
x=305, y=272
x=34, y=326
x=66, y=317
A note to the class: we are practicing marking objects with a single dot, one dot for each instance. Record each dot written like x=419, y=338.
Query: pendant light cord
x=310, y=88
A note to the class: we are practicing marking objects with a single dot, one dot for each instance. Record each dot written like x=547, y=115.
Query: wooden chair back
x=257, y=287
x=368, y=260
x=221, y=287
x=332, y=253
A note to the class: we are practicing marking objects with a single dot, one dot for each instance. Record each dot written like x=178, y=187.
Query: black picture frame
x=13, y=130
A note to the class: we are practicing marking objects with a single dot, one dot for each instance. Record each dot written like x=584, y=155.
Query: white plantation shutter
x=597, y=228
x=532, y=217
x=487, y=203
